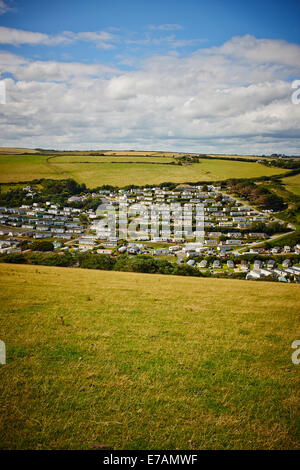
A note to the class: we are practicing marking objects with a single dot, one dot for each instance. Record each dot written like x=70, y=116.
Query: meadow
x=121, y=170
x=292, y=184
x=134, y=361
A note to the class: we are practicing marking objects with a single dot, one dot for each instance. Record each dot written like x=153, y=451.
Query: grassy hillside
x=14, y=168
x=292, y=184
x=96, y=171
x=137, y=361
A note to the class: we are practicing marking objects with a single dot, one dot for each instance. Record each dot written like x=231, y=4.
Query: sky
x=180, y=75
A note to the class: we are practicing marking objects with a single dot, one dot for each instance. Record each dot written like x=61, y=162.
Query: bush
x=16, y=258
x=92, y=261
x=41, y=246
x=50, y=259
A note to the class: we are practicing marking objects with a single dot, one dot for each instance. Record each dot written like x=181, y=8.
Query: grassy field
x=252, y=157
x=14, y=168
x=81, y=159
x=292, y=184
x=134, y=361
x=16, y=150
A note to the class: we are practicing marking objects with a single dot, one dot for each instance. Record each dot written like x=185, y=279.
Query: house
x=257, y=235
x=234, y=234
x=295, y=272
x=217, y=264
x=42, y=235
x=266, y=272
x=190, y=253
x=283, y=279
x=222, y=253
x=161, y=251
x=133, y=250
x=271, y=264
x=75, y=199
x=202, y=264
x=211, y=242
x=65, y=236
x=286, y=263
x=86, y=243
x=279, y=272
x=191, y=262
x=174, y=248
x=257, y=264
x=230, y=264
x=252, y=275
x=244, y=265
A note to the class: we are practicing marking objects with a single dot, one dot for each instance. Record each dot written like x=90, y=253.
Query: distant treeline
x=289, y=164
x=138, y=264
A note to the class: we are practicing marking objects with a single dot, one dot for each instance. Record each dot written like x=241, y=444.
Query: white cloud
x=218, y=99
x=4, y=7
x=260, y=51
x=166, y=27
x=25, y=69
x=102, y=39
x=16, y=37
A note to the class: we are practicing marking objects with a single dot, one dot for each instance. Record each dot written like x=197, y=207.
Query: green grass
x=136, y=361
x=79, y=159
x=292, y=184
x=14, y=168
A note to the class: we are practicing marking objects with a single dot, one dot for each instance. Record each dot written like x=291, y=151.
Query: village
x=218, y=240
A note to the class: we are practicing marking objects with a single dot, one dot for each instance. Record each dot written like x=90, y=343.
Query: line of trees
x=138, y=264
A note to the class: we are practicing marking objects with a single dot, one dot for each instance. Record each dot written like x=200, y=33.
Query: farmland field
x=79, y=159
x=16, y=150
x=252, y=157
x=137, y=361
x=142, y=170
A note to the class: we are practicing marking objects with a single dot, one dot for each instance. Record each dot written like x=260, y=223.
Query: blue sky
x=202, y=23
x=166, y=74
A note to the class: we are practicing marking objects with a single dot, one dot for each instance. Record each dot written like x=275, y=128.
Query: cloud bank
x=231, y=98
x=16, y=37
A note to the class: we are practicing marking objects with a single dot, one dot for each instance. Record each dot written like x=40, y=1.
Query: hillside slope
x=137, y=361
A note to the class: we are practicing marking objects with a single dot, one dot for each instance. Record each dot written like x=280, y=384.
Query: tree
x=44, y=245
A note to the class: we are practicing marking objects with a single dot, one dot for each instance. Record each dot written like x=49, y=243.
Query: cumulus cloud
x=232, y=98
x=261, y=51
x=25, y=69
